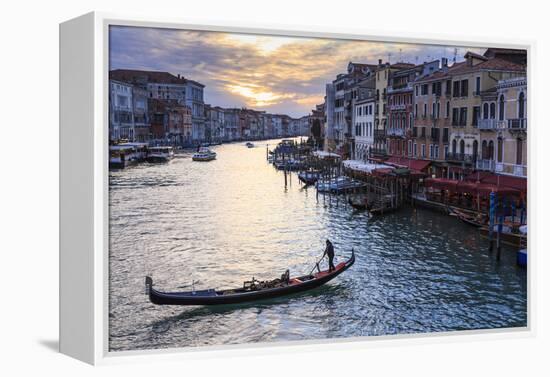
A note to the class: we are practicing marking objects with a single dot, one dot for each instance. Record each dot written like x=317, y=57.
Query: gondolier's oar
x=317, y=265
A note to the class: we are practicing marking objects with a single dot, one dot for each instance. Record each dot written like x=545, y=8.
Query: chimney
x=178, y=76
x=444, y=62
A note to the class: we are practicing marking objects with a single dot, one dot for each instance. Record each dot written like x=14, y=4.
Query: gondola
x=470, y=219
x=251, y=290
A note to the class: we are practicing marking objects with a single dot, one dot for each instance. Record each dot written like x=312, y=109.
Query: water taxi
x=121, y=156
x=160, y=154
x=204, y=154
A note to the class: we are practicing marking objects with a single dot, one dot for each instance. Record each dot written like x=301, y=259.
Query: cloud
x=279, y=74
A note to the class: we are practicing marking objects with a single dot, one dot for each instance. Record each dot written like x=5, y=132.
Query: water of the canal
x=222, y=222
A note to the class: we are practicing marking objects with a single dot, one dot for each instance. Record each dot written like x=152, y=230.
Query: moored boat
x=249, y=145
x=358, y=201
x=477, y=220
x=160, y=154
x=309, y=177
x=122, y=156
x=204, y=154
x=250, y=291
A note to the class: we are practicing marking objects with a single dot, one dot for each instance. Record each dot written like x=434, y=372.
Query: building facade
x=121, y=111
x=503, y=128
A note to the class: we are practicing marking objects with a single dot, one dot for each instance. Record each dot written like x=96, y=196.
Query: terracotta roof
x=136, y=76
x=491, y=51
x=473, y=54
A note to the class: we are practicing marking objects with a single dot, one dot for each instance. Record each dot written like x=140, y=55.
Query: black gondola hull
x=213, y=297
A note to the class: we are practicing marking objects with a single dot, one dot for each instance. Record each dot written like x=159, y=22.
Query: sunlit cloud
x=278, y=74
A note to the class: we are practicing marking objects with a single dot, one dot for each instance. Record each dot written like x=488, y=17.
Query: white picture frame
x=84, y=46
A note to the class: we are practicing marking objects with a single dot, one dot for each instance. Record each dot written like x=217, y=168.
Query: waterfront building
x=503, y=128
x=168, y=87
x=364, y=109
x=158, y=116
x=447, y=109
x=277, y=123
x=179, y=126
x=432, y=119
x=214, y=123
x=383, y=75
x=194, y=98
x=142, y=126
x=329, y=131
x=121, y=115
x=304, y=125
x=400, y=108
x=231, y=125
x=340, y=95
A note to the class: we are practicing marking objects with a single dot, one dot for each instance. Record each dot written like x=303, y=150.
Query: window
x=431, y=150
x=499, y=149
x=478, y=85
x=448, y=85
x=423, y=150
x=501, y=108
x=447, y=109
x=456, y=88
x=464, y=88
x=485, y=111
x=475, y=116
x=414, y=149
x=425, y=110
x=436, y=151
x=493, y=110
x=519, y=151
x=433, y=109
x=437, y=110
x=521, y=107
x=416, y=110
x=409, y=147
x=463, y=116
x=424, y=89
x=455, y=116
x=416, y=90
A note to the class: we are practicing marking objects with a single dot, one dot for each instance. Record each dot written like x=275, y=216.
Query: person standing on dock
x=329, y=251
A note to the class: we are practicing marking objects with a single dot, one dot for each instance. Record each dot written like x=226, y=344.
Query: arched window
x=485, y=111
x=501, y=108
x=491, y=150
x=462, y=147
x=454, y=146
x=521, y=106
x=493, y=110
x=519, y=152
x=474, y=150
x=499, y=149
x=484, y=151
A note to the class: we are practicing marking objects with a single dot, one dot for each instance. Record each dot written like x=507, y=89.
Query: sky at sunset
x=284, y=75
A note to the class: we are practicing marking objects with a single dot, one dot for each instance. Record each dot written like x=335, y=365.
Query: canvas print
x=267, y=189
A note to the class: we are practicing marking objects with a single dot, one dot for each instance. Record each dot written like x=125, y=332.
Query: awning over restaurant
x=404, y=162
x=498, y=180
x=441, y=183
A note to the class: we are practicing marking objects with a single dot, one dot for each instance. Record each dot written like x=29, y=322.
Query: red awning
x=441, y=183
x=499, y=180
x=467, y=187
x=404, y=162
x=382, y=172
x=485, y=189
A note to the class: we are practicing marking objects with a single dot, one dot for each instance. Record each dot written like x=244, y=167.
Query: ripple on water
x=222, y=222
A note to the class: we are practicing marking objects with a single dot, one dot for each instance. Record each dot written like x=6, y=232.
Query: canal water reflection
x=219, y=223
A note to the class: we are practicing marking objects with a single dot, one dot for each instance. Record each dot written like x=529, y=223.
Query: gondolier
x=329, y=251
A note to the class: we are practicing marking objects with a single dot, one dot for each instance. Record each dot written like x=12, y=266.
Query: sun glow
x=265, y=45
x=258, y=96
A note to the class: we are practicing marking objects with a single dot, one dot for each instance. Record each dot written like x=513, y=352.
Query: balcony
x=518, y=124
x=511, y=169
x=488, y=165
x=398, y=107
x=379, y=134
x=459, y=157
x=375, y=152
x=395, y=132
x=487, y=124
